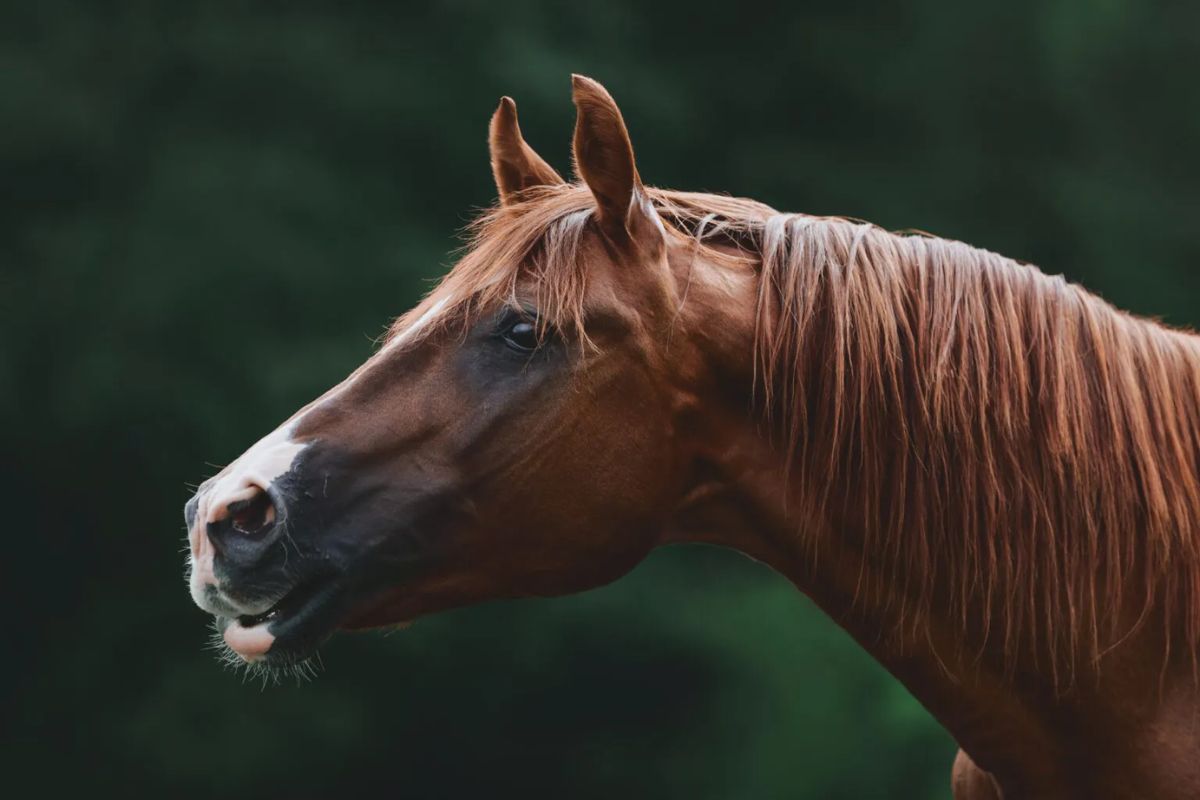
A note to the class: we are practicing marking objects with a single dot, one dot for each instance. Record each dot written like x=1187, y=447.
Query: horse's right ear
x=604, y=160
x=514, y=163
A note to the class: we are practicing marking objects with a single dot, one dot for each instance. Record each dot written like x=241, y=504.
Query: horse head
x=523, y=431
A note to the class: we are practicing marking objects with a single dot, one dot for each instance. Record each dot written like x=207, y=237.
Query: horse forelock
x=537, y=240
x=999, y=435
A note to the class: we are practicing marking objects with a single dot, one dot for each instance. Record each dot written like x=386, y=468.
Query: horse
x=988, y=476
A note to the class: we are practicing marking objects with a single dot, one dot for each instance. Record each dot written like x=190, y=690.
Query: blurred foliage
x=210, y=210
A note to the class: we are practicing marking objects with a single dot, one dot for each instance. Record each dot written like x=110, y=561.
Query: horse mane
x=1001, y=439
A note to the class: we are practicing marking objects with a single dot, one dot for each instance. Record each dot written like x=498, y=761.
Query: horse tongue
x=252, y=643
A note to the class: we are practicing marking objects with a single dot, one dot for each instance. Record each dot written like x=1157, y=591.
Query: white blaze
x=412, y=330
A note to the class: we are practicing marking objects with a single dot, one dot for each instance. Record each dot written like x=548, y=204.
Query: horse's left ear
x=604, y=160
x=514, y=163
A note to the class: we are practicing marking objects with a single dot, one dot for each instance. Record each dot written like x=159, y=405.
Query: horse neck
x=742, y=492
x=746, y=493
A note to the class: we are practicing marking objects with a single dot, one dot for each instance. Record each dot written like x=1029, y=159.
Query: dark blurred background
x=209, y=210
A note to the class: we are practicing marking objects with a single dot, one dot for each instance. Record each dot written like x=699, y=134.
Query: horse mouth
x=286, y=604
x=290, y=630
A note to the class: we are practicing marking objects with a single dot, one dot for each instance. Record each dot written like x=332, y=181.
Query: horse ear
x=514, y=163
x=604, y=158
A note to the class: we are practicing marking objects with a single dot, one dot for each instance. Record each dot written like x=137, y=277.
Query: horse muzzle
x=252, y=566
x=294, y=540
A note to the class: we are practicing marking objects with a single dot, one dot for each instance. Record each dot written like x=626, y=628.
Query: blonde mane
x=1002, y=440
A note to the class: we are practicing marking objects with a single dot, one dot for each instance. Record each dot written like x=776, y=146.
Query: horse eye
x=522, y=336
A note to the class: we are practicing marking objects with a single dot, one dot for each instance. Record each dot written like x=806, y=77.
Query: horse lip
x=300, y=621
x=286, y=602
x=225, y=601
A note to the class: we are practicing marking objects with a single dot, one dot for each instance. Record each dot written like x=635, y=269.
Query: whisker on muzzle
x=301, y=672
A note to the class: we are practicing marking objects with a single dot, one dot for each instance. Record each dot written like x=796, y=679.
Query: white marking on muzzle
x=254, y=471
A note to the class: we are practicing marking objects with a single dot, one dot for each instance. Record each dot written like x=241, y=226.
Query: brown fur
x=1001, y=432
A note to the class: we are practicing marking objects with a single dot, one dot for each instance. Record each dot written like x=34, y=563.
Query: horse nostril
x=253, y=515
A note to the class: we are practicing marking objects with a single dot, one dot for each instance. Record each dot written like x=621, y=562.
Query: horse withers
x=988, y=476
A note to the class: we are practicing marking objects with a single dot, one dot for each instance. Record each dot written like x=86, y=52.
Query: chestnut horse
x=988, y=476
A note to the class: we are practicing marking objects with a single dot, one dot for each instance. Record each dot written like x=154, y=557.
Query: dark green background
x=209, y=211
